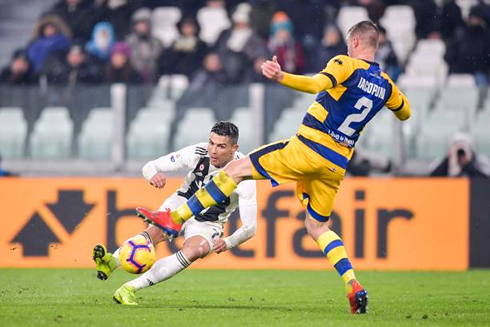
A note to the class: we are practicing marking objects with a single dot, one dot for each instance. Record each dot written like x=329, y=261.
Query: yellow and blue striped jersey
x=358, y=91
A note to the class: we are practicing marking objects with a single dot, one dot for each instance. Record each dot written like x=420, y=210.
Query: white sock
x=162, y=270
x=116, y=253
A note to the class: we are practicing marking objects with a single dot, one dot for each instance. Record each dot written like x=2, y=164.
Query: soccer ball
x=137, y=255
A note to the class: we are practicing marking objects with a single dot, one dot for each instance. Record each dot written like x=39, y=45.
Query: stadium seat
x=432, y=47
x=288, y=123
x=178, y=85
x=164, y=24
x=194, y=127
x=438, y=128
x=149, y=134
x=170, y=87
x=213, y=20
x=13, y=132
x=243, y=118
x=465, y=6
x=378, y=134
x=421, y=100
x=461, y=80
x=349, y=16
x=481, y=132
x=96, y=137
x=406, y=81
x=52, y=135
x=399, y=22
x=424, y=65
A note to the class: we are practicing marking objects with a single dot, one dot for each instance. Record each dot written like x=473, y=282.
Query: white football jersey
x=196, y=159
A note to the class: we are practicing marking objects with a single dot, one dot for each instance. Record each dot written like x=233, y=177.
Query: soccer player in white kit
x=204, y=232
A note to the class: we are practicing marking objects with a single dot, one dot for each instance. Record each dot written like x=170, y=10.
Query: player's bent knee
x=196, y=248
x=315, y=228
x=239, y=169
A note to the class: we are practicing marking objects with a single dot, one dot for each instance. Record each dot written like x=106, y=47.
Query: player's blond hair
x=367, y=32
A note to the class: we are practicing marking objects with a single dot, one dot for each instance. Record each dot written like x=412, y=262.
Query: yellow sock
x=216, y=191
x=333, y=247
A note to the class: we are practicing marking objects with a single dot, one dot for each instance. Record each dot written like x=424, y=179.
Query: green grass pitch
x=74, y=297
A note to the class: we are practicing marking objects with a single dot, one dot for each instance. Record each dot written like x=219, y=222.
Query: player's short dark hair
x=367, y=31
x=226, y=128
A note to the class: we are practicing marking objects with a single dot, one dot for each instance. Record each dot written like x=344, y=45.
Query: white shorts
x=206, y=229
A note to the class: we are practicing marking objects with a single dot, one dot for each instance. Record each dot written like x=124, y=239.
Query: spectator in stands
x=483, y=9
x=71, y=68
x=118, y=13
x=212, y=73
x=364, y=162
x=100, y=45
x=469, y=52
x=308, y=17
x=386, y=55
x=186, y=54
x=426, y=17
x=120, y=70
x=145, y=49
x=331, y=45
x=375, y=8
x=289, y=53
x=19, y=71
x=452, y=22
x=79, y=15
x=462, y=161
x=240, y=46
x=50, y=35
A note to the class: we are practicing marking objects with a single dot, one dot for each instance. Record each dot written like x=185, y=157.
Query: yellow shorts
x=291, y=160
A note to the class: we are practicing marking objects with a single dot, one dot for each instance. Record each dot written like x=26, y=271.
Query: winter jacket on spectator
x=185, y=56
x=468, y=53
x=19, y=71
x=51, y=35
x=145, y=49
x=290, y=54
x=240, y=46
x=119, y=69
x=71, y=68
x=386, y=56
x=79, y=15
x=331, y=45
x=100, y=45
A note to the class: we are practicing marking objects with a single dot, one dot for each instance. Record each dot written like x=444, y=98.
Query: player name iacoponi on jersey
x=371, y=88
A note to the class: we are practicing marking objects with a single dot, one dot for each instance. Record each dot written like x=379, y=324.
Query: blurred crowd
x=108, y=41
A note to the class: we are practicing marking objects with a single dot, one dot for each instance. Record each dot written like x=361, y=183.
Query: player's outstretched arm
x=247, y=201
x=398, y=103
x=309, y=84
x=153, y=171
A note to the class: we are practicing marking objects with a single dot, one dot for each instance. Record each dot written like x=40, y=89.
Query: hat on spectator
x=20, y=53
x=281, y=20
x=141, y=15
x=121, y=47
x=242, y=13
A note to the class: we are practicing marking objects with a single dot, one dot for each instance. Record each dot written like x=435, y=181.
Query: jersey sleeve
x=338, y=69
x=185, y=158
x=397, y=101
x=247, y=204
x=247, y=193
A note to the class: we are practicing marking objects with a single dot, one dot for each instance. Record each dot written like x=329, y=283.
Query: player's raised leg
x=194, y=248
x=216, y=191
x=106, y=262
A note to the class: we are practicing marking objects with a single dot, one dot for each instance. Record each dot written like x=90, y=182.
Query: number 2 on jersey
x=363, y=104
